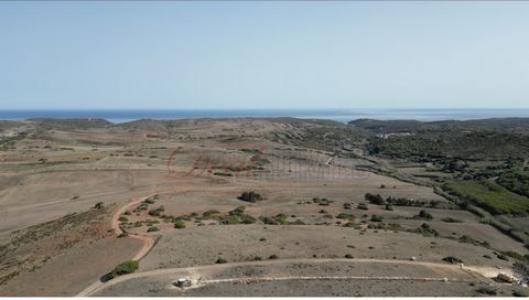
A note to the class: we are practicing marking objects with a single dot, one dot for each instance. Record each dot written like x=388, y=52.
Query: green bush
x=375, y=218
x=273, y=256
x=229, y=220
x=221, y=260
x=99, y=205
x=123, y=219
x=451, y=220
x=345, y=216
x=210, y=213
x=424, y=215
x=123, y=268
x=452, y=260
x=362, y=206
x=487, y=290
x=247, y=219
x=250, y=197
x=374, y=199
x=179, y=224
x=237, y=211
x=149, y=201
x=153, y=229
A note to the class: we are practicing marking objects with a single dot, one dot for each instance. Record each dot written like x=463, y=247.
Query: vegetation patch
x=123, y=268
x=251, y=197
x=490, y=196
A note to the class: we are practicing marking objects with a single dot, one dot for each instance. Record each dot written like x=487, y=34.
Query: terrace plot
x=206, y=244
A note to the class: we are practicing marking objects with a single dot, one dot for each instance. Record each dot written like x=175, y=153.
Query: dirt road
x=197, y=281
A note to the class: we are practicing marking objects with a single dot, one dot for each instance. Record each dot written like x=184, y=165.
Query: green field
x=490, y=196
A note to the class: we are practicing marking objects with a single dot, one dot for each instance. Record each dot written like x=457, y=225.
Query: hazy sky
x=263, y=54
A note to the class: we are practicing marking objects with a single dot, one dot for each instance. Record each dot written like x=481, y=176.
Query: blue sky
x=82, y=55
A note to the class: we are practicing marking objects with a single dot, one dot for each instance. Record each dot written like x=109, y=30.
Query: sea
x=340, y=115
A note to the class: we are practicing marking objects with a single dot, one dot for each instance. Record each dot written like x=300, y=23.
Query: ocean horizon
x=340, y=115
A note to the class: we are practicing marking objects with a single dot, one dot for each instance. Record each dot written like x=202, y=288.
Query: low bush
x=487, y=290
x=250, y=197
x=156, y=212
x=99, y=205
x=375, y=218
x=153, y=229
x=273, y=256
x=210, y=213
x=345, y=216
x=297, y=222
x=149, y=201
x=123, y=268
x=237, y=211
x=424, y=215
x=179, y=224
x=322, y=201
x=362, y=206
x=374, y=199
x=221, y=260
x=451, y=220
x=453, y=260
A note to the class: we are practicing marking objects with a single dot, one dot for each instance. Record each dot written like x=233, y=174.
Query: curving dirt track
x=198, y=281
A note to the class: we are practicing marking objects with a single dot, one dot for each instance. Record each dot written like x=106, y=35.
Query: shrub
x=250, y=197
x=122, y=235
x=426, y=230
x=280, y=219
x=424, y=215
x=375, y=218
x=179, y=224
x=149, y=201
x=349, y=256
x=210, y=213
x=322, y=201
x=156, y=212
x=487, y=290
x=519, y=293
x=153, y=229
x=349, y=224
x=238, y=211
x=247, y=219
x=221, y=260
x=362, y=206
x=345, y=216
x=297, y=222
x=98, y=205
x=123, y=268
x=452, y=260
x=389, y=207
x=230, y=220
x=374, y=199
x=273, y=256
x=123, y=219
x=451, y=220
